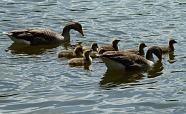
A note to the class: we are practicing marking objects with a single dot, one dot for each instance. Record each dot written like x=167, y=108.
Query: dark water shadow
x=171, y=58
x=156, y=70
x=33, y=49
x=8, y=95
x=85, y=67
x=113, y=78
x=116, y=78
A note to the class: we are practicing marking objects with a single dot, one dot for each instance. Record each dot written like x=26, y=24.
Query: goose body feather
x=36, y=36
x=126, y=61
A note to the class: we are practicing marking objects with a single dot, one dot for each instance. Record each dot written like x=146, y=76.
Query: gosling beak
x=118, y=40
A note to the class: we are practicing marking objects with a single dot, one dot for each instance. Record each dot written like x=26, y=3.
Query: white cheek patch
x=150, y=63
x=90, y=58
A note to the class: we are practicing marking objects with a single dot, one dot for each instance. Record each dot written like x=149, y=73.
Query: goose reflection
x=33, y=49
x=112, y=79
x=171, y=58
x=115, y=78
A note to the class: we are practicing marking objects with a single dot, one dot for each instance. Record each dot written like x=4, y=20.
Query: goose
x=77, y=52
x=112, y=47
x=169, y=48
x=131, y=62
x=94, y=53
x=35, y=36
x=85, y=61
x=94, y=48
x=139, y=51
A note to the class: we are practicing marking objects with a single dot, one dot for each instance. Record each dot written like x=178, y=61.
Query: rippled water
x=34, y=80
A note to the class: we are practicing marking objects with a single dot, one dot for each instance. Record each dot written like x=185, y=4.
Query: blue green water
x=35, y=81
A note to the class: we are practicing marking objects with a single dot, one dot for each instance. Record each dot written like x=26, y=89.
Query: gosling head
x=142, y=45
x=115, y=44
x=78, y=51
x=94, y=47
x=172, y=41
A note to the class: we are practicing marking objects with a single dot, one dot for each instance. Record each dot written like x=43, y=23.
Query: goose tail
x=7, y=33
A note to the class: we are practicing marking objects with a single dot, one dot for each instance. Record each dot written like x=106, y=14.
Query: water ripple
x=34, y=80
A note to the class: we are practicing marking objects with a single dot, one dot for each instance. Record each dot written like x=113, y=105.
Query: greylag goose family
x=114, y=58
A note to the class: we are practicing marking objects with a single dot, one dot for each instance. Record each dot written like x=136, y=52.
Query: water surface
x=34, y=80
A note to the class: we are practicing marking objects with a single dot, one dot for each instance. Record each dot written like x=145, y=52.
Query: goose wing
x=164, y=48
x=134, y=51
x=130, y=61
x=105, y=48
x=34, y=35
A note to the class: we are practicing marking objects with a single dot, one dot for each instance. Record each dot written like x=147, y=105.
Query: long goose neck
x=66, y=33
x=115, y=46
x=87, y=57
x=141, y=51
x=171, y=46
x=76, y=53
x=149, y=55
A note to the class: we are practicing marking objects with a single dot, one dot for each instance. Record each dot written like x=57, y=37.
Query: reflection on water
x=33, y=49
x=15, y=48
x=171, y=58
x=112, y=79
x=48, y=85
x=86, y=67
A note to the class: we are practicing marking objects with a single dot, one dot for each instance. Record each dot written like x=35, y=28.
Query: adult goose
x=85, y=61
x=77, y=52
x=169, y=47
x=35, y=36
x=131, y=62
x=112, y=47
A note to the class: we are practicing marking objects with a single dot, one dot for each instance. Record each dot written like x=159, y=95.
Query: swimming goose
x=94, y=48
x=77, y=52
x=139, y=51
x=112, y=47
x=94, y=53
x=85, y=61
x=131, y=62
x=169, y=48
x=35, y=36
